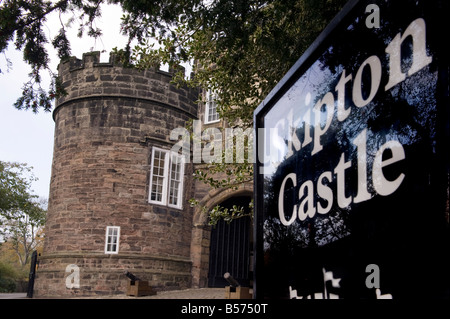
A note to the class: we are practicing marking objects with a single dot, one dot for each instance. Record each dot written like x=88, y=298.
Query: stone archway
x=201, y=231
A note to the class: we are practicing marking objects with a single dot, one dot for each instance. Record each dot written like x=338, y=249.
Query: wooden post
x=139, y=288
x=237, y=292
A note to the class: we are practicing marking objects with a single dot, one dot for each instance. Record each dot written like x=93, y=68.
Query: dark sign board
x=352, y=170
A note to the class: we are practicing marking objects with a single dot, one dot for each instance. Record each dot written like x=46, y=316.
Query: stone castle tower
x=119, y=194
x=111, y=128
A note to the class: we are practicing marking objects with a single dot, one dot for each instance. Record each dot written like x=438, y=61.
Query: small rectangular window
x=211, y=113
x=112, y=240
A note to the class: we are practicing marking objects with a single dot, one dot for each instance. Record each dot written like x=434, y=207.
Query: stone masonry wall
x=105, y=129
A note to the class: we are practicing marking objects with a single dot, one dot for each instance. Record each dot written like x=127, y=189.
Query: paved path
x=13, y=295
x=202, y=293
x=198, y=293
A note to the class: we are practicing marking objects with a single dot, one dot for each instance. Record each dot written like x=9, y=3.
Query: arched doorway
x=230, y=248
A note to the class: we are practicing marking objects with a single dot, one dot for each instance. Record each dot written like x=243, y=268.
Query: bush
x=7, y=278
x=7, y=285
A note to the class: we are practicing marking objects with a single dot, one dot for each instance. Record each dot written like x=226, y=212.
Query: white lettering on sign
x=328, y=102
x=321, y=115
x=372, y=281
x=306, y=191
x=420, y=59
x=374, y=65
x=327, y=276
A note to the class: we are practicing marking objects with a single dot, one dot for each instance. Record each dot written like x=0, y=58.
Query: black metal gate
x=32, y=274
x=230, y=249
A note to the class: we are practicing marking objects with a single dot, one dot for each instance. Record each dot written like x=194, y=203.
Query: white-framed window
x=158, y=176
x=166, y=178
x=211, y=113
x=112, y=240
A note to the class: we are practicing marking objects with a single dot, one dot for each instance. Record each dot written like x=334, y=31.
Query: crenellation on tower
x=87, y=77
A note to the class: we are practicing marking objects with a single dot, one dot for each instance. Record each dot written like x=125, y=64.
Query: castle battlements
x=88, y=78
x=92, y=59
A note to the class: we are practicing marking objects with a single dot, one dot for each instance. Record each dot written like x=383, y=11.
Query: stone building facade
x=118, y=195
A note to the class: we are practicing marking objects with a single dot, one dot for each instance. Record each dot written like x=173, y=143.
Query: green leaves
x=14, y=187
x=227, y=214
x=23, y=21
x=62, y=44
x=21, y=215
x=241, y=47
x=34, y=97
x=240, y=50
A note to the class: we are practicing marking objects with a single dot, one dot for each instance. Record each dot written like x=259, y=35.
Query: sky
x=26, y=137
